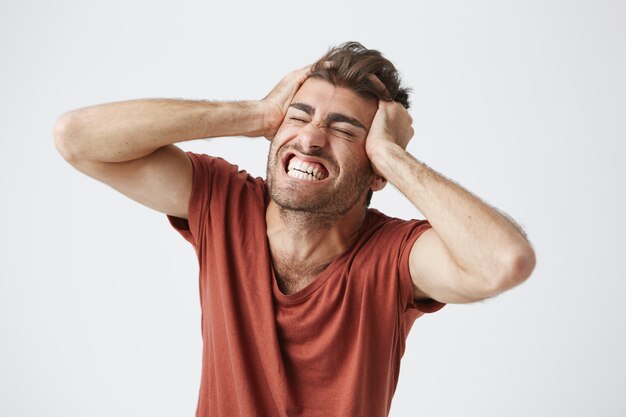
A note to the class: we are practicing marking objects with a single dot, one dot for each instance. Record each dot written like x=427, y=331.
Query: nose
x=313, y=135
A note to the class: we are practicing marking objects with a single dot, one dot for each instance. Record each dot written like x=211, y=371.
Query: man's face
x=323, y=133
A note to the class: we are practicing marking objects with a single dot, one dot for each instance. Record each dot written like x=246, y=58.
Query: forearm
x=122, y=131
x=481, y=240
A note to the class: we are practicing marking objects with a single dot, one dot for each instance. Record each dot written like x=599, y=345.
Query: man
x=307, y=294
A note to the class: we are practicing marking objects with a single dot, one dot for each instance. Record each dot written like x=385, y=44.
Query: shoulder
x=220, y=183
x=387, y=227
x=214, y=163
x=218, y=170
x=388, y=238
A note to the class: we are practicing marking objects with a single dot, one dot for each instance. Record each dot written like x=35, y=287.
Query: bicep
x=436, y=275
x=161, y=180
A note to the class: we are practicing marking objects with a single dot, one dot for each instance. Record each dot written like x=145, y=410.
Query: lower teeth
x=302, y=175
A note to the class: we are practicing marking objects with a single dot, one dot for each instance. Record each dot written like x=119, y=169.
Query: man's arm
x=472, y=251
x=129, y=145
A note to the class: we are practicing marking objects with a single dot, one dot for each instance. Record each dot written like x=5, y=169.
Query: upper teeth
x=306, y=170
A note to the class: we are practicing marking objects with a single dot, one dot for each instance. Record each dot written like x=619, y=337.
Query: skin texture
x=311, y=223
x=307, y=132
x=472, y=252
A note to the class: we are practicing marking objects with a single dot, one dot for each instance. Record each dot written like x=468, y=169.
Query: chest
x=292, y=277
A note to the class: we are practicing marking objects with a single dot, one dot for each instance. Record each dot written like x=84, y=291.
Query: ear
x=378, y=183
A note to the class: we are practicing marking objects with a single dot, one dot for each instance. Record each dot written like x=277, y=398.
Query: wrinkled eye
x=343, y=132
x=297, y=119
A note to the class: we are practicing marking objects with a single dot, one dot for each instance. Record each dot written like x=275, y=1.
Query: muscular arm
x=122, y=131
x=129, y=145
x=127, y=130
x=472, y=251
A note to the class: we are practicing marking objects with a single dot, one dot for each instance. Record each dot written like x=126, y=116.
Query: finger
x=300, y=75
x=325, y=65
x=379, y=85
x=303, y=73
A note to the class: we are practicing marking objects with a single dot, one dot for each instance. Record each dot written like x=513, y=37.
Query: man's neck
x=310, y=238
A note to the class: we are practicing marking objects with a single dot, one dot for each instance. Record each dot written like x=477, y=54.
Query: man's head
x=325, y=129
x=351, y=65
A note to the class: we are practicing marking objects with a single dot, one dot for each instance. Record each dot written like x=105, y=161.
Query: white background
x=521, y=102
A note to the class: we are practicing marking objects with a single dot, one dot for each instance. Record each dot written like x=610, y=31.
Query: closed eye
x=344, y=132
x=340, y=131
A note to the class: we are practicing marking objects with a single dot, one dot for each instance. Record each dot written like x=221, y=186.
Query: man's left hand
x=391, y=126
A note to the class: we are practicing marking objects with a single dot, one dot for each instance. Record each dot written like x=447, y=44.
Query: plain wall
x=523, y=103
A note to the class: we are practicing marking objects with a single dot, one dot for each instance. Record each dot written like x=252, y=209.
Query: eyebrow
x=331, y=118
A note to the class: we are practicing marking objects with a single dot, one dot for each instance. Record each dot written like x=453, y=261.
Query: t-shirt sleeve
x=197, y=207
x=406, y=283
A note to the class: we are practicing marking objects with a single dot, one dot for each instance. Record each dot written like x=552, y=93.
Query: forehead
x=327, y=98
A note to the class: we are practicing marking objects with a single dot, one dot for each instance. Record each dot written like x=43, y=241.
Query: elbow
x=64, y=136
x=523, y=264
x=513, y=271
x=518, y=268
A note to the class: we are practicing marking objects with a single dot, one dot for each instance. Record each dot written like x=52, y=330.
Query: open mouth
x=304, y=168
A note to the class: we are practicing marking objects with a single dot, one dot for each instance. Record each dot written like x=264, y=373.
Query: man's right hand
x=276, y=103
x=129, y=144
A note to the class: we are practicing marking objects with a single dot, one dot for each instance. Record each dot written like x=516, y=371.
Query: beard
x=333, y=199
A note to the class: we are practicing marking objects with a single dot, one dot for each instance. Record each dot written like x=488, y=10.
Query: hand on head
x=392, y=125
x=277, y=102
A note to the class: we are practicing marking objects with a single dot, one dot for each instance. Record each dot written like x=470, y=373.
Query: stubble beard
x=325, y=205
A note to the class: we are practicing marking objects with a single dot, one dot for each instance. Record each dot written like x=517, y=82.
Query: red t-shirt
x=331, y=349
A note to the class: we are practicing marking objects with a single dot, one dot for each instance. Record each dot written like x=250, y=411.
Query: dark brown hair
x=351, y=64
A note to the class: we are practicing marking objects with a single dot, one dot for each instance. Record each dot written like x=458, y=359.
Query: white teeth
x=294, y=173
x=297, y=166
